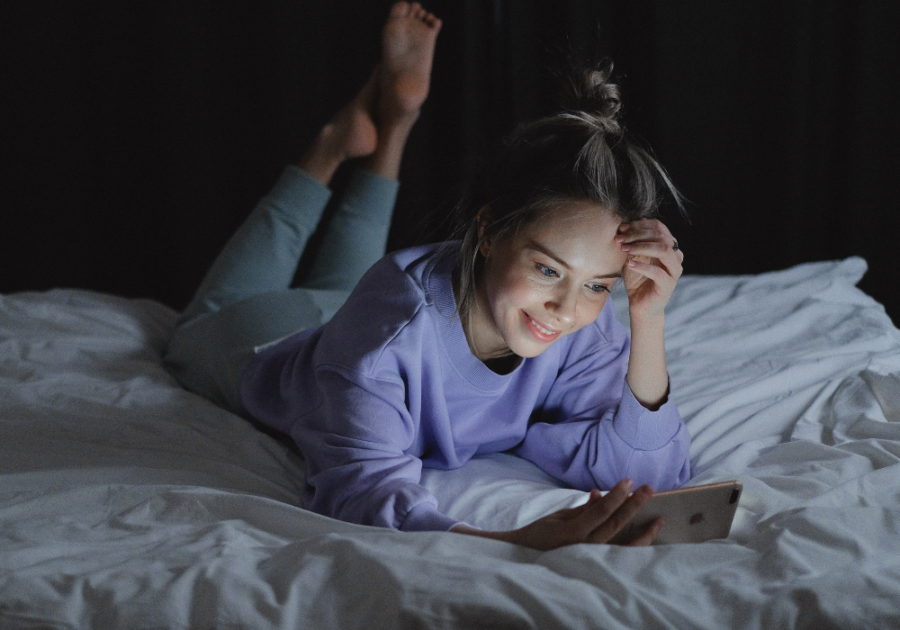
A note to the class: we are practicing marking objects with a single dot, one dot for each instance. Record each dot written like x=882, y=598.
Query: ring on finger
x=675, y=247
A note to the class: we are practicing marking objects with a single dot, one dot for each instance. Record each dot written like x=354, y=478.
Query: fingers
x=645, y=229
x=646, y=537
x=650, y=237
x=584, y=519
x=654, y=249
x=652, y=255
x=663, y=277
x=597, y=521
x=573, y=513
x=617, y=513
x=655, y=254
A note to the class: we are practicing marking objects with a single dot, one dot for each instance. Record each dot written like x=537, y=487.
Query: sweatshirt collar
x=439, y=289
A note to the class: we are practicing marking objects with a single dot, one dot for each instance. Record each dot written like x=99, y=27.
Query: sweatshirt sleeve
x=344, y=398
x=592, y=432
x=355, y=456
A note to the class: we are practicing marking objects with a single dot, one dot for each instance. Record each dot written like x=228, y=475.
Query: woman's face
x=547, y=281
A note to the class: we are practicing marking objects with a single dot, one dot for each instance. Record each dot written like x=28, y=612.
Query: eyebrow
x=531, y=244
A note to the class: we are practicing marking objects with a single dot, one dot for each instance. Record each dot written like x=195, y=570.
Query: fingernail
x=626, y=248
x=629, y=484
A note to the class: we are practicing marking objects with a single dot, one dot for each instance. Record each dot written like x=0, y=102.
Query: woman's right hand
x=597, y=521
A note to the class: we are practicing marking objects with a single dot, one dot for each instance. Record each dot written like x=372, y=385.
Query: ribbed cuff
x=643, y=429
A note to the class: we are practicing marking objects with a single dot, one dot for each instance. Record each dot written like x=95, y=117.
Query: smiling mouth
x=539, y=332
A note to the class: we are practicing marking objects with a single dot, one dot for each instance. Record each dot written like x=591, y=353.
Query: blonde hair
x=580, y=153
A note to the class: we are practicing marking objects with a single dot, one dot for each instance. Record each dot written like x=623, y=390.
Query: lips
x=539, y=331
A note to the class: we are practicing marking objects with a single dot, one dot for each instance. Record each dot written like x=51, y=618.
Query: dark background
x=137, y=136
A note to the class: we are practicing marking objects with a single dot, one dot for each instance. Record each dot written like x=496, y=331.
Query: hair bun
x=593, y=98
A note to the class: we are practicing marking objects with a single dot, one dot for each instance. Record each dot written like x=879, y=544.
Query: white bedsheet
x=127, y=502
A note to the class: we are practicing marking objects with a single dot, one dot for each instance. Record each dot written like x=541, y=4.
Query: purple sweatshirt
x=389, y=385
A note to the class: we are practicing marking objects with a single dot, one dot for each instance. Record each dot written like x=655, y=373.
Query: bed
x=128, y=502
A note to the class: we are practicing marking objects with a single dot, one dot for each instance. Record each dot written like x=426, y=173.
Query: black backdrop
x=137, y=136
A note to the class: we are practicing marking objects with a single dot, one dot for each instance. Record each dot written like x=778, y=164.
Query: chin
x=530, y=349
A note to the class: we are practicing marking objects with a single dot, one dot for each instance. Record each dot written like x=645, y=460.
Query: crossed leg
x=245, y=299
x=393, y=97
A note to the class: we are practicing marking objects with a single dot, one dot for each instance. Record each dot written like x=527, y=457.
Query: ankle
x=322, y=159
x=398, y=125
x=391, y=144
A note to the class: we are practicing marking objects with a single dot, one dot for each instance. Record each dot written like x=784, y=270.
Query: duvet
x=128, y=502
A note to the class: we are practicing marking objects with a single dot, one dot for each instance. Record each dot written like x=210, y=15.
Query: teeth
x=542, y=329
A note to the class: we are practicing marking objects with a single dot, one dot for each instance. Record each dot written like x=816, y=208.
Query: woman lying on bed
x=498, y=342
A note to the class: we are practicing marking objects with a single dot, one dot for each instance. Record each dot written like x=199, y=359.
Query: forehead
x=580, y=220
x=582, y=234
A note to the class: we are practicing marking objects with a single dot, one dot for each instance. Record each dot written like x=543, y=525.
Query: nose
x=562, y=305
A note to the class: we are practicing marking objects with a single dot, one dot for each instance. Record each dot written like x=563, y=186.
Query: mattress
x=128, y=502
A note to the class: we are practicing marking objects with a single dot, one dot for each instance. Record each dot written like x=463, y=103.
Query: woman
x=439, y=353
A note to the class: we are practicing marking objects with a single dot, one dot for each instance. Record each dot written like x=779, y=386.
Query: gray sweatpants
x=245, y=300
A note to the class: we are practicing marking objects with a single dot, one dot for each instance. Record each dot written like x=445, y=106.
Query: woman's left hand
x=653, y=266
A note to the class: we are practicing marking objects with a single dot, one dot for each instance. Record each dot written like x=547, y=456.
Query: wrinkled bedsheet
x=127, y=502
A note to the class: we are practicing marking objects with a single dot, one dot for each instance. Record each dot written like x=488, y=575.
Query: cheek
x=510, y=287
x=526, y=296
x=591, y=310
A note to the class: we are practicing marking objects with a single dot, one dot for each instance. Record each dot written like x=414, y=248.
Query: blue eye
x=599, y=288
x=547, y=271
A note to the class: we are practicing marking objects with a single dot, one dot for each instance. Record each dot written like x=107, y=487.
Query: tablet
x=692, y=515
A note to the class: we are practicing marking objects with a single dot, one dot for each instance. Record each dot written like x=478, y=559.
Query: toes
x=415, y=11
x=433, y=22
x=400, y=9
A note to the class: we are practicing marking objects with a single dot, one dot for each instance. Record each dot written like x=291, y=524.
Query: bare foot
x=407, y=50
x=354, y=130
x=399, y=85
x=350, y=134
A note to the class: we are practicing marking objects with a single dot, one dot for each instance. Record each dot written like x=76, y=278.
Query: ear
x=484, y=219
